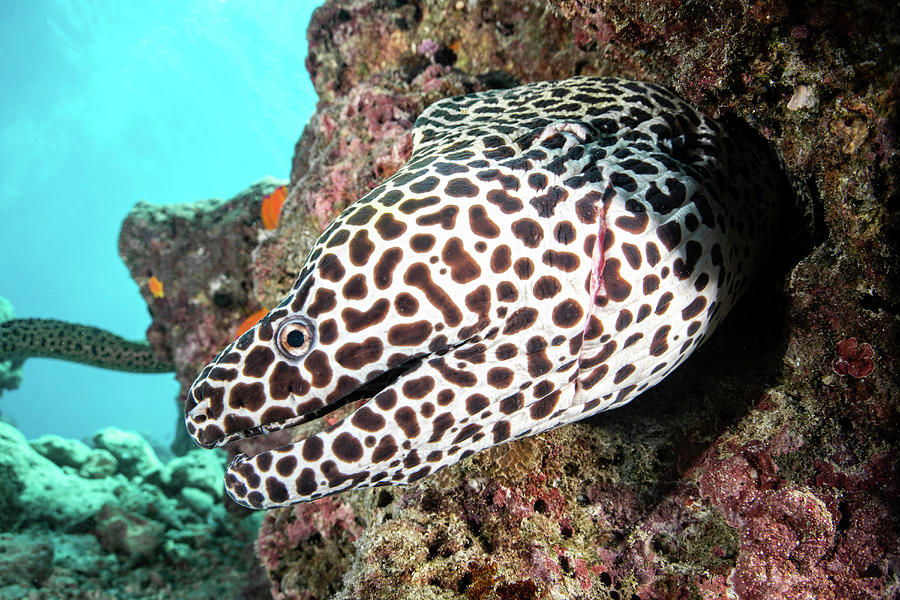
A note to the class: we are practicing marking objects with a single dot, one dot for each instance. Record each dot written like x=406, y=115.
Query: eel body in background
x=74, y=342
x=548, y=252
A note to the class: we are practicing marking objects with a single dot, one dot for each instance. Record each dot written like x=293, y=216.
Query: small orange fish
x=250, y=321
x=155, y=286
x=271, y=207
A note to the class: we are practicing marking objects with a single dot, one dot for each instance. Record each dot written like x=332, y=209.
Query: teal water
x=105, y=103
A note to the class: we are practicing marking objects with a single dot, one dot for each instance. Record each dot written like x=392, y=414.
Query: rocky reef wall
x=765, y=467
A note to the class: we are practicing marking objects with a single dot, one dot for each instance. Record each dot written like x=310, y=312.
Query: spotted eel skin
x=74, y=342
x=548, y=252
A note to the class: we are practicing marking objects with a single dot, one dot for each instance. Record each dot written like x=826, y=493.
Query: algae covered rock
x=134, y=454
x=198, y=469
x=62, y=451
x=34, y=490
x=196, y=500
x=99, y=464
x=24, y=559
x=89, y=463
x=128, y=535
x=89, y=531
x=202, y=252
x=11, y=486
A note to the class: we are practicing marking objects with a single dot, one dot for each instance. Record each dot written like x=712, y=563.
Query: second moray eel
x=74, y=342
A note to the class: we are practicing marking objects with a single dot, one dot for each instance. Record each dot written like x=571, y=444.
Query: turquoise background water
x=107, y=102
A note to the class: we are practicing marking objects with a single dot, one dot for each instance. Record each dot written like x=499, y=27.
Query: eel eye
x=294, y=338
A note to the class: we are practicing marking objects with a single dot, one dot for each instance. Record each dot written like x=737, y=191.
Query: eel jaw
x=199, y=403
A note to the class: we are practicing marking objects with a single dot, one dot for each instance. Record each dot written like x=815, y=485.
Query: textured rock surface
x=202, y=253
x=765, y=467
x=24, y=559
x=133, y=453
x=197, y=469
x=85, y=525
x=62, y=451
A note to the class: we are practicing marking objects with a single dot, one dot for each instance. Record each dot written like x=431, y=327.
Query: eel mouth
x=210, y=435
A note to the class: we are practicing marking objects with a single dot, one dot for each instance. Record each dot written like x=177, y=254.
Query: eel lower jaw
x=252, y=432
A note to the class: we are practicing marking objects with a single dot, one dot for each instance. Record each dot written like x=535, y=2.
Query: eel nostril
x=196, y=413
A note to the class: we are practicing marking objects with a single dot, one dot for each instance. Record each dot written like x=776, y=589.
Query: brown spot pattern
x=356, y=320
x=445, y=217
x=251, y=396
x=616, y=288
x=361, y=248
x=633, y=223
x=406, y=419
x=463, y=268
x=536, y=351
x=319, y=367
x=419, y=276
x=669, y=234
x=521, y=319
x=406, y=305
x=499, y=377
x=543, y=407
x=367, y=420
x=694, y=308
x=565, y=261
x=481, y=224
x=331, y=268
x=523, y=268
x=355, y=288
x=347, y=448
x=507, y=203
x=454, y=376
x=501, y=259
x=418, y=388
x=323, y=302
x=567, y=313
x=528, y=231
x=388, y=227
x=354, y=355
x=257, y=362
x=632, y=255
x=383, y=273
x=659, y=345
x=409, y=334
x=479, y=301
x=422, y=242
x=285, y=380
x=546, y=287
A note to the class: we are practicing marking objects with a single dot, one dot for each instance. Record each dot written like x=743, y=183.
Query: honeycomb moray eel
x=48, y=338
x=548, y=252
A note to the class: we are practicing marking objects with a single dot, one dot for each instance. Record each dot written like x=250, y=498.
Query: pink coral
x=286, y=530
x=800, y=541
x=854, y=359
x=327, y=517
x=427, y=47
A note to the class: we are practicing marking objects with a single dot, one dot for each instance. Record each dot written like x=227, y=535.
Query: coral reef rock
x=116, y=522
x=764, y=467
